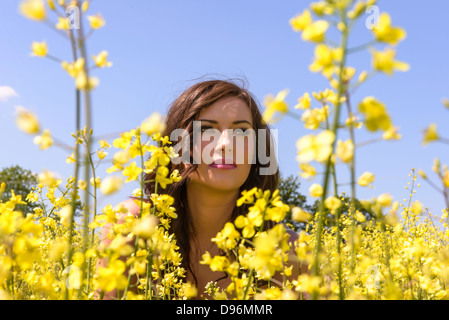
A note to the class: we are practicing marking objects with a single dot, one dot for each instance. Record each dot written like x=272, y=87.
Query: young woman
x=205, y=197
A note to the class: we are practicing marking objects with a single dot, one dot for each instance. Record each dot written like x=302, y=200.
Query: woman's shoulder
x=128, y=206
x=293, y=234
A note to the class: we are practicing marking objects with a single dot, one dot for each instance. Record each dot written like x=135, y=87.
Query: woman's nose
x=225, y=141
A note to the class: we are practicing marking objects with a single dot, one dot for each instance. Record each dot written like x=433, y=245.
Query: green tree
x=289, y=193
x=21, y=181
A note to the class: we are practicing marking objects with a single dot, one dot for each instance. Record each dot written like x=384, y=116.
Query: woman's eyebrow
x=234, y=122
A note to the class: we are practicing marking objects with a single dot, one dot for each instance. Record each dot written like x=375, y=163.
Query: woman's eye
x=205, y=128
x=242, y=131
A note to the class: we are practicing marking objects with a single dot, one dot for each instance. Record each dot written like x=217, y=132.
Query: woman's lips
x=223, y=166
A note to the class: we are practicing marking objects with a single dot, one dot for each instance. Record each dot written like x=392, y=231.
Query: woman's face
x=224, y=154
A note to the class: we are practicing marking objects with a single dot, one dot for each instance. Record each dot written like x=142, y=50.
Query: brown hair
x=181, y=114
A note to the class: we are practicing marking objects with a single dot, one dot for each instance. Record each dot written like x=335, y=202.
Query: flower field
x=401, y=253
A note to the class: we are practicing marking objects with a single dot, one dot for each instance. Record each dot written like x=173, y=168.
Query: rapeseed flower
x=27, y=121
x=301, y=21
x=384, y=61
x=315, y=147
x=304, y=102
x=376, y=116
x=111, y=184
x=316, y=31
x=275, y=104
x=366, y=179
x=325, y=60
x=384, y=32
x=39, y=49
x=96, y=21
x=430, y=134
x=33, y=9
x=101, y=60
x=44, y=141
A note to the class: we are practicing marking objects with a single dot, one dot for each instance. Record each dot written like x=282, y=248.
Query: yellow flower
x=430, y=134
x=73, y=68
x=316, y=190
x=312, y=118
x=345, y=150
x=101, y=154
x=445, y=176
x=325, y=60
x=190, y=291
x=445, y=102
x=384, y=32
x=121, y=157
x=33, y=9
x=39, y=49
x=96, y=21
x=82, y=82
x=357, y=10
x=391, y=134
x=153, y=124
x=303, y=102
x=247, y=197
x=273, y=105
x=359, y=216
x=48, y=178
x=315, y=147
x=51, y=4
x=82, y=184
x=111, y=185
x=145, y=227
x=85, y=5
x=366, y=179
x=101, y=60
x=27, y=121
x=301, y=21
x=416, y=208
x=328, y=96
x=227, y=238
x=376, y=116
x=44, y=141
x=267, y=259
x=104, y=144
x=385, y=199
x=112, y=276
x=308, y=171
x=219, y=263
x=384, y=61
x=322, y=8
x=63, y=23
x=300, y=215
x=315, y=32
x=132, y=172
x=161, y=176
x=65, y=214
x=248, y=223
x=352, y=121
x=95, y=183
x=332, y=203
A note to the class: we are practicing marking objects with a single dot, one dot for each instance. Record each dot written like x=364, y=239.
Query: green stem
x=353, y=186
x=88, y=125
x=76, y=173
x=315, y=265
x=89, y=269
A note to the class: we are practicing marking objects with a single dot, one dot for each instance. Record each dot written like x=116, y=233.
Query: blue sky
x=159, y=48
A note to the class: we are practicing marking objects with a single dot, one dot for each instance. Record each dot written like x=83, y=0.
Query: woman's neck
x=210, y=209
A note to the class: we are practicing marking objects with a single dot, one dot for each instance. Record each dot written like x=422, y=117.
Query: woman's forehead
x=227, y=110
